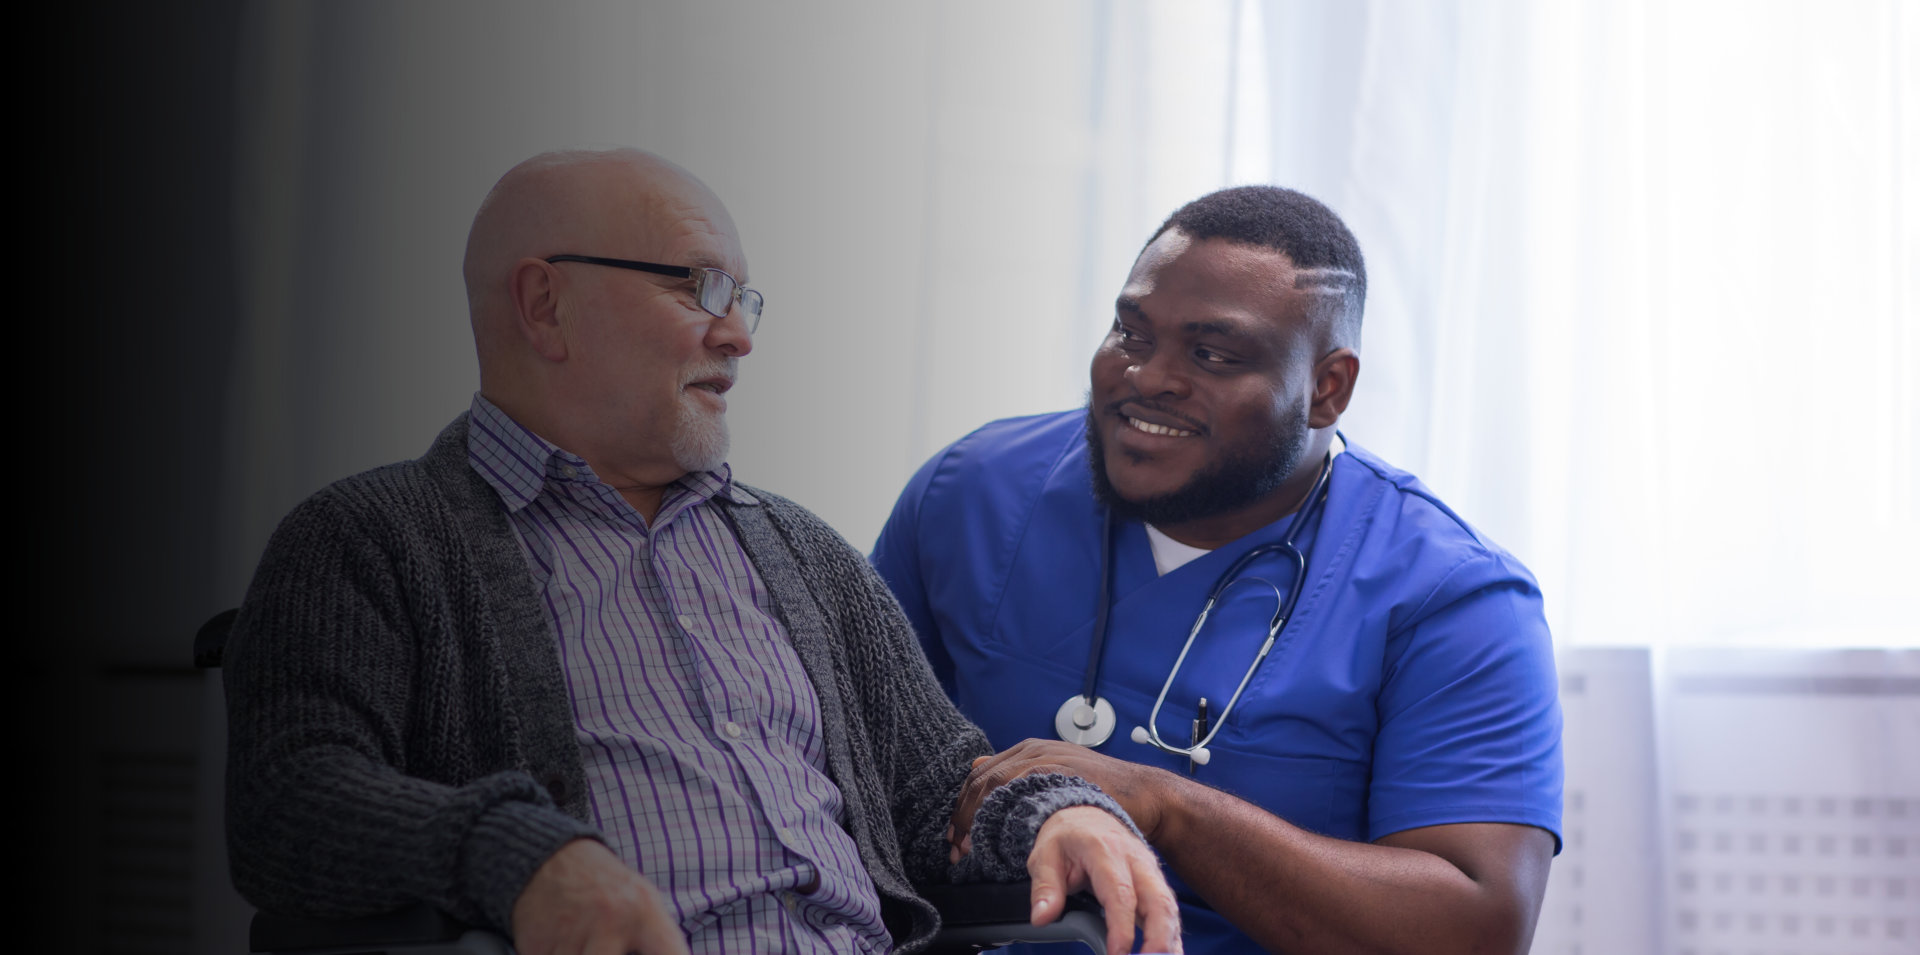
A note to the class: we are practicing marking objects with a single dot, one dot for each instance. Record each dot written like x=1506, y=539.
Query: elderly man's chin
x=699, y=438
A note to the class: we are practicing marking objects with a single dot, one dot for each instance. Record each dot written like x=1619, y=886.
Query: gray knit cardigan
x=399, y=728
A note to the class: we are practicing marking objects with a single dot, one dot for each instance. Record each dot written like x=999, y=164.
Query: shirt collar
x=718, y=483
x=519, y=464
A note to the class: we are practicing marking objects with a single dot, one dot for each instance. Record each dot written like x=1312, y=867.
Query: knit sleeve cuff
x=1008, y=822
x=508, y=843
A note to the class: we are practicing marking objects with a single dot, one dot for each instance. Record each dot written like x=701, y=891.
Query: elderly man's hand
x=1084, y=847
x=585, y=901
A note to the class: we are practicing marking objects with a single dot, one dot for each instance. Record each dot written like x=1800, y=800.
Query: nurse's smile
x=1140, y=433
x=1159, y=429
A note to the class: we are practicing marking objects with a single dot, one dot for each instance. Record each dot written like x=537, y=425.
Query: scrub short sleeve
x=1469, y=709
x=896, y=555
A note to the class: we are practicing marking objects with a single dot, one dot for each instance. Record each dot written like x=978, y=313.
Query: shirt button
x=686, y=622
x=787, y=899
x=735, y=730
x=568, y=471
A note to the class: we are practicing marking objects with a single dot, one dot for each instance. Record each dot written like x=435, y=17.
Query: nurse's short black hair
x=1294, y=223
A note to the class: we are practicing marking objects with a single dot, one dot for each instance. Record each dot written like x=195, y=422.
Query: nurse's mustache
x=1120, y=408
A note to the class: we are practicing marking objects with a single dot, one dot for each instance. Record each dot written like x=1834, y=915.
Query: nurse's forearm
x=1467, y=887
x=1297, y=892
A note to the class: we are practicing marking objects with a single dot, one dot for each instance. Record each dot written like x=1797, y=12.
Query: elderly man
x=1358, y=748
x=564, y=677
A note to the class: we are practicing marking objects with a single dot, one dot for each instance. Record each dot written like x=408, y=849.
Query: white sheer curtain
x=1644, y=295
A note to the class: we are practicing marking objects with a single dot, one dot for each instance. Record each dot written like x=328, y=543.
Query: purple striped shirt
x=700, y=731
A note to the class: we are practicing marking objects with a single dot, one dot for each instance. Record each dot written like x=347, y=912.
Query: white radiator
x=1724, y=802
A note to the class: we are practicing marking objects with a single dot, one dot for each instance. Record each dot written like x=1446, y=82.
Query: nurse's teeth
x=1151, y=428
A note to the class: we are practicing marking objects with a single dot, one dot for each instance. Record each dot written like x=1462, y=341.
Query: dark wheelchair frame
x=972, y=917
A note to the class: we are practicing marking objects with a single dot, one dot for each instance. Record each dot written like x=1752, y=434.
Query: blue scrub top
x=1413, y=687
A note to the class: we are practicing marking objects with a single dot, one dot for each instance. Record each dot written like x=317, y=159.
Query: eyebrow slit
x=1324, y=280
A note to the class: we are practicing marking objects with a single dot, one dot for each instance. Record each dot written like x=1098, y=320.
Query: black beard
x=1237, y=480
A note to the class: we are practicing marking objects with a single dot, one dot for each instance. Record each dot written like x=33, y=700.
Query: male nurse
x=1374, y=688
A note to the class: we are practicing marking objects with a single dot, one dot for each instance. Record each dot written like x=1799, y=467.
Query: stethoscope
x=1087, y=718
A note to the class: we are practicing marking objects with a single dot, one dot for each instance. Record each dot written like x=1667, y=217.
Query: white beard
x=699, y=437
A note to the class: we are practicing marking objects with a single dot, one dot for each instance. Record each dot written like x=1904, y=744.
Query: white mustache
x=728, y=368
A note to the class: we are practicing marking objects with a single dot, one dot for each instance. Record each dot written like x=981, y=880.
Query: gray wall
x=136, y=338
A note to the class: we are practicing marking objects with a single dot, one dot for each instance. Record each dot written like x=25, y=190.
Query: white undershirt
x=1170, y=554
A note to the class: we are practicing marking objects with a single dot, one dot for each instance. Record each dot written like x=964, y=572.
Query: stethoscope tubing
x=1273, y=632
x=1316, y=500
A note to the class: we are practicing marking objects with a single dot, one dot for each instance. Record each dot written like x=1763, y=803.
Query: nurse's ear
x=1333, y=378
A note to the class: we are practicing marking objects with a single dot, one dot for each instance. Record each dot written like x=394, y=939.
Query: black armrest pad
x=418, y=923
x=210, y=643
x=1001, y=903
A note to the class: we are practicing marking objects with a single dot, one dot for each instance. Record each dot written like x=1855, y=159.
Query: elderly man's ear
x=534, y=287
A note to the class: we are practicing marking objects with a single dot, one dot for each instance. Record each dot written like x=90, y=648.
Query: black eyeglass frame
x=751, y=301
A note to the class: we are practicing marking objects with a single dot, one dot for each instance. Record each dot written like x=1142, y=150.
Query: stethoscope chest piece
x=1083, y=723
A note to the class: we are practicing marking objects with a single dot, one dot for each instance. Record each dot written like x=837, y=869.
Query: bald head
x=578, y=201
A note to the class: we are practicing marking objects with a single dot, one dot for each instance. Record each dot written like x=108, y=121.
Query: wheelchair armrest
x=210, y=642
x=991, y=914
x=973, y=917
x=415, y=930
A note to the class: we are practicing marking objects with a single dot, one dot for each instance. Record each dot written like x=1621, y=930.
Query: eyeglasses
x=716, y=290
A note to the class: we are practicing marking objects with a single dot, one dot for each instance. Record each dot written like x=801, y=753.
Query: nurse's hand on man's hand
x=1141, y=790
x=1084, y=848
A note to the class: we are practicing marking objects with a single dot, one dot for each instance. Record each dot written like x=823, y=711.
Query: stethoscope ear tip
x=1200, y=755
x=1140, y=735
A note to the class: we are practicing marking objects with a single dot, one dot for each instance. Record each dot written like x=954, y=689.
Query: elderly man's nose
x=730, y=334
